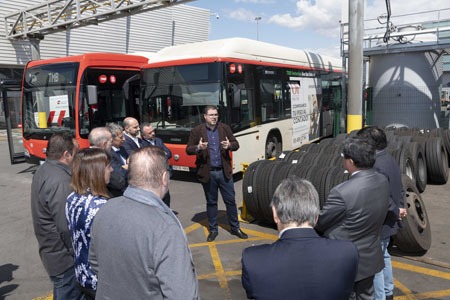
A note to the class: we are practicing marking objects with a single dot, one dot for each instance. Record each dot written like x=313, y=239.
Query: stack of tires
x=421, y=154
x=430, y=149
x=262, y=178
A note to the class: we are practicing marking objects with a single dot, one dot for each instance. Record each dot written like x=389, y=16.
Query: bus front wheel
x=273, y=147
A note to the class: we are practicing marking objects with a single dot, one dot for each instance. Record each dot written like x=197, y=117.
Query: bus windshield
x=174, y=97
x=49, y=99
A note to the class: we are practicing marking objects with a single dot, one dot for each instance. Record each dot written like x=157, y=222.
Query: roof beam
x=59, y=15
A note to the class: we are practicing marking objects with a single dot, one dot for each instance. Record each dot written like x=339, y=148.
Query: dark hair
x=209, y=107
x=360, y=150
x=88, y=172
x=375, y=135
x=147, y=166
x=59, y=143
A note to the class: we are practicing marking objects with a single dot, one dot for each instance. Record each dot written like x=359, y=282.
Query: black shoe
x=239, y=233
x=212, y=236
x=390, y=297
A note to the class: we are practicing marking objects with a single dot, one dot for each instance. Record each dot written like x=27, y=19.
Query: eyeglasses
x=212, y=115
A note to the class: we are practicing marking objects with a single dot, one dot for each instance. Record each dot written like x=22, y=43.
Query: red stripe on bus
x=51, y=115
x=61, y=116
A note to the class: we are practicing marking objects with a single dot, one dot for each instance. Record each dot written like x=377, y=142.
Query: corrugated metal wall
x=149, y=32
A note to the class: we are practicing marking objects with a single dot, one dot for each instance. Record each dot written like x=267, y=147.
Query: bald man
x=145, y=256
x=131, y=143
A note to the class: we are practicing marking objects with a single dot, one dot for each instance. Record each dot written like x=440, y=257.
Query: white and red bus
x=77, y=93
x=274, y=98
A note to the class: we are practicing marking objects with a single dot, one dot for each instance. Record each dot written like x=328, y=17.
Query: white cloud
x=332, y=51
x=323, y=16
x=320, y=15
x=241, y=14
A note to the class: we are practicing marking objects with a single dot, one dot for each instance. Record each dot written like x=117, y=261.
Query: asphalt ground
x=218, y=265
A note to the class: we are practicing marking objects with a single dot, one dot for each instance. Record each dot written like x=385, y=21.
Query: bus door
x=107, y=95
x=10, y=94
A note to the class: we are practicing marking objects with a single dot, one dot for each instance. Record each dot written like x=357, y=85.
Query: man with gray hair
x=302, y=265
x=101, y=137
x=138, y=246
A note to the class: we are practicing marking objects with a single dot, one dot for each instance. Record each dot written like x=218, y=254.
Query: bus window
x=112, y=104
x=48, y=99
x=174, y=97
x=241, y=96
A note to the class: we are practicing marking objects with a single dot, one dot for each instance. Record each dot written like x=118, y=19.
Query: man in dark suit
x=355, y=211
x=211, y=143
x=101, y=137
x=118, y=154
x=148, y=138
x=131, y=142
x=300, y=264
x=386, y=165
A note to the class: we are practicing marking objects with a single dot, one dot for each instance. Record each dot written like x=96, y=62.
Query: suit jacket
x=355, y=211
x=386, y=165
x=139, y=250
x=49, y=190
x=129, y=145
x=119, y=177
x=203, y=161
x=158, y=143
x=300, y=265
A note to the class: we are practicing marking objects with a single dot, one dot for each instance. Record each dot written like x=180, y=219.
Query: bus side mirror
x=92, y=94
x=235, y=95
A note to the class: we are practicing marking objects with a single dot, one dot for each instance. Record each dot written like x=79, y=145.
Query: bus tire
x=415, y=235
x=273, y=146
x=420, y=166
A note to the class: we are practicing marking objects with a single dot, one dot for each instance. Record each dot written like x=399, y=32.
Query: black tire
x=273, y=146
x=437, y=160
x=420, y=166
x=248, y=189
x=415, y=235
x=326, y=143
x=257, y=189
x=263, y=196
x=340, y=138
x=406, y=164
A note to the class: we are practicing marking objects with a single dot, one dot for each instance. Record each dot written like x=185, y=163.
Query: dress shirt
x=135, y=139
x=214, y=147
x=150, y=141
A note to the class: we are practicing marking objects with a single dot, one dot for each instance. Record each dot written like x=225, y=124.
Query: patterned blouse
x=80, y=212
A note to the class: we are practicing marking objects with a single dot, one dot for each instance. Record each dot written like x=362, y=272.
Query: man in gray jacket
x=49, y=191
x=138, y=247
x=355, y=211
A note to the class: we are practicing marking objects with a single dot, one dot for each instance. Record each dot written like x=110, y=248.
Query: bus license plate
x=181, y=168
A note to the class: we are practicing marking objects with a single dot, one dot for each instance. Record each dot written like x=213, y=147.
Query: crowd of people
x=105, y=230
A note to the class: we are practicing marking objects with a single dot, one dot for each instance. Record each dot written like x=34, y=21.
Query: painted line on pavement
x=421, y=270
x=48, y=296
x=408, y=293
x=223, y=281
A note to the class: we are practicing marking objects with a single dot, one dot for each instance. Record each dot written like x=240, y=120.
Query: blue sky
x=302, y=24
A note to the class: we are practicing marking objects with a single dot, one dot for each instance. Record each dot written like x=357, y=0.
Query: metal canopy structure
x=423, y=31
x=60, y=15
